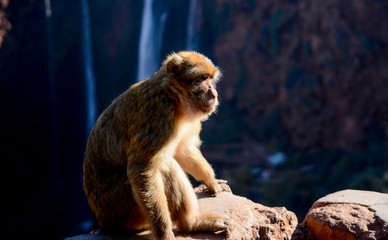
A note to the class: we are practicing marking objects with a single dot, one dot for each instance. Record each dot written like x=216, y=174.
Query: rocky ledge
x=348, y=214
x=249, y=220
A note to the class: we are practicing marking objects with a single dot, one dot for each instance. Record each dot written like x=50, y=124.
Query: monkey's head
x=193, y=77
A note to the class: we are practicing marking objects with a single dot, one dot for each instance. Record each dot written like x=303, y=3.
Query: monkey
x=143, y=144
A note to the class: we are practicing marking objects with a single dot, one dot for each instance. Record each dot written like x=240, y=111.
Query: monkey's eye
x=203, y=77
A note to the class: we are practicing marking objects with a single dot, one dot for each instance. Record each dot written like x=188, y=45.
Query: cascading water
x=151, y=35
x=193, y=25
x=54, y=111
x=91, y=103
x=90, y=82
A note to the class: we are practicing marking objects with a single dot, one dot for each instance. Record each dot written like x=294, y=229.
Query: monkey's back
x=129, y=130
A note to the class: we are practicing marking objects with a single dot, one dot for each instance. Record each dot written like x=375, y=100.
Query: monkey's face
x=204, y=96
x=193, y=76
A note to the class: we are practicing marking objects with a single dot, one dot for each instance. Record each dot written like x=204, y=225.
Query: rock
x=348, y=214
x=249, y=220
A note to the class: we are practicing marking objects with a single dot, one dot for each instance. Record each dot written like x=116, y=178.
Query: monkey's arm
x=192, y=161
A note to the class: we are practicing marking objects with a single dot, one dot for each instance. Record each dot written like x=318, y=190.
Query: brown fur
x=143, y=142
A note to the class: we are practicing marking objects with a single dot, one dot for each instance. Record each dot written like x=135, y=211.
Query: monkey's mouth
x=206, y=104
x=213, y=101
x=211, y=105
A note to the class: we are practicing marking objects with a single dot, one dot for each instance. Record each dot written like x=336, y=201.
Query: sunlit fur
x=143, y=142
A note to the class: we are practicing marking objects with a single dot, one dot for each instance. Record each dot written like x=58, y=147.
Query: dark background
x=304, y=99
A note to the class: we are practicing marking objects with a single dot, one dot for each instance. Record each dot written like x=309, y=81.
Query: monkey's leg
x=183, y=205
x=115, y=207
x=149, y=194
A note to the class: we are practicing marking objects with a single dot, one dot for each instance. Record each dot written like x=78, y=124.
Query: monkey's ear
x=175, y=64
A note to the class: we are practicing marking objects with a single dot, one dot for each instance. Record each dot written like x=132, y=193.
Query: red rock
x=249, y=220
x=348, y=214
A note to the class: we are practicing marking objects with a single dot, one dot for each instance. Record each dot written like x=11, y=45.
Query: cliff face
x=5, y=25
x=306, y=78
x=318, y=65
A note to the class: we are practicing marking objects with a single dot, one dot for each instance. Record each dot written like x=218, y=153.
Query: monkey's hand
x=217, y=186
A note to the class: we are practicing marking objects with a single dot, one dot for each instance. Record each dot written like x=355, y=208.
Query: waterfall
x=53, y=96
x=91, y=103
x=193, y=25
x=153, y=21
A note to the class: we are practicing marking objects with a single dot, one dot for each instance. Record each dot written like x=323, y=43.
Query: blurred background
x=304, y=98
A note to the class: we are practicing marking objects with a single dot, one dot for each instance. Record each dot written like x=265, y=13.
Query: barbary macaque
x=143, y=143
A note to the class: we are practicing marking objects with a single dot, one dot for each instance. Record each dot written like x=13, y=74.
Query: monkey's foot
x=226, y=223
